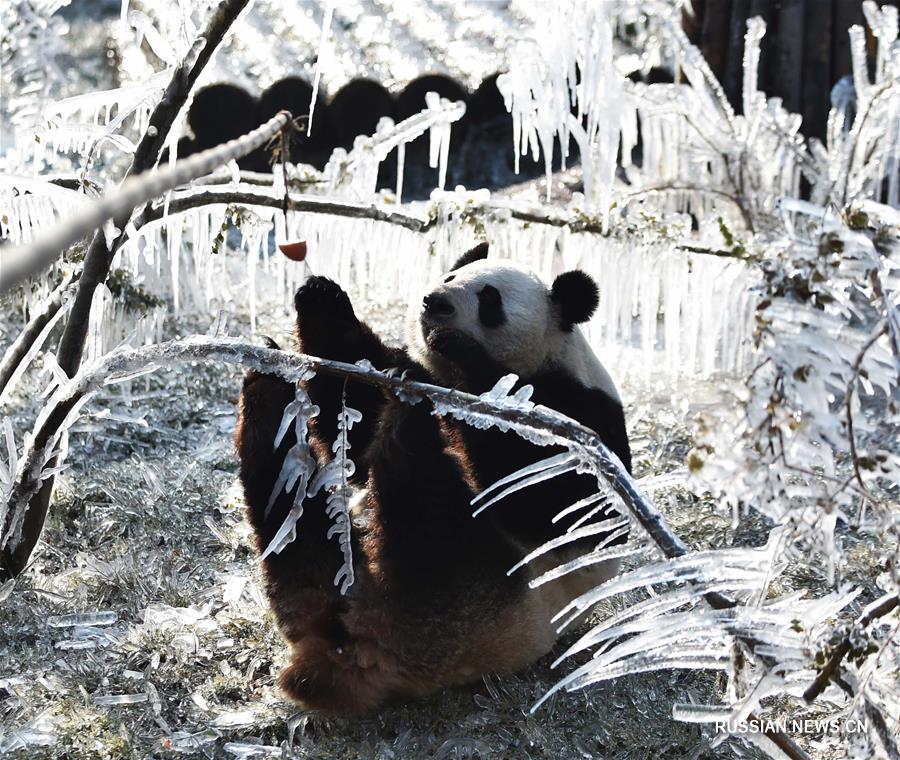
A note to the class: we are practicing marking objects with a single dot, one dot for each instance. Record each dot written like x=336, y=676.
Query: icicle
x=335, y=477
x=296, y=470
x=752, y=100
x=613, y=529
x=401, y=162
x=94, y=344
x=323, y=40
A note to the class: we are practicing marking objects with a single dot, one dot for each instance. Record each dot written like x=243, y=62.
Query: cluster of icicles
x=661, y=309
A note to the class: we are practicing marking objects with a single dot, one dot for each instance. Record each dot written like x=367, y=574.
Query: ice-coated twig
x=533, y=473
x=297, y=468
x=613, y=528
x=358, y=169
x=335, y=478
x=878, y=609
x=29, y=341
x=848, y=405
x=179, y=203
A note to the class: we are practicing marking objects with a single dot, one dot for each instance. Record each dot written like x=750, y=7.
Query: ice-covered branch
x=180, y=203
x=32, y=335
x=681, y=187
x=538, y=423
x=848, y=405
x=357, y=171
x=237, y=196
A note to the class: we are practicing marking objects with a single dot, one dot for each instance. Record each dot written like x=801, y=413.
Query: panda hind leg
x=261, y=409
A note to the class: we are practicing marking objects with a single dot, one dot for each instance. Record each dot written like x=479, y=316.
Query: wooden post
x=816, y=68
x=788, y=84
x=732, y=79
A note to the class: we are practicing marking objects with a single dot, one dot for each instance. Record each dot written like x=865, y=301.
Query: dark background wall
x=805, y=52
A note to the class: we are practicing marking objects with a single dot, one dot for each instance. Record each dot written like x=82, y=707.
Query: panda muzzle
x=437, y=307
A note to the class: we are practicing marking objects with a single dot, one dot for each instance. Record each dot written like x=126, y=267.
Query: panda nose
x=437, y=306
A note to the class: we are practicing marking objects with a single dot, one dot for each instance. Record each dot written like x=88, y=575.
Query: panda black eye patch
x=490, y=307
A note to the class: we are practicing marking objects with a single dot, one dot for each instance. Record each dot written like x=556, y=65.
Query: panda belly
x=523, y=631
x=507, y=638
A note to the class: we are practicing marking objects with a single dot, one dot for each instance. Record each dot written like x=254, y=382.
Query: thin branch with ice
x=878, y=609
x=181, y=203
x=27, y=260
x=28, y=342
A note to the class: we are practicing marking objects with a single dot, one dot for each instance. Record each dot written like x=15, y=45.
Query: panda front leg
x=426, y=562
x=328, y=327
x=309, y=610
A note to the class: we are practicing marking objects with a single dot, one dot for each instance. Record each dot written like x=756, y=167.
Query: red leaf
x=294, y=251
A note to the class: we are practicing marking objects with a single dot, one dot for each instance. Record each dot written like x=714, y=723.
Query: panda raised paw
x=410, y=371
x=320, y=296
x=324, y=313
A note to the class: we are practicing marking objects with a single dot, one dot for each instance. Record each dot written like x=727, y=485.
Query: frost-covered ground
x=147, y=540
x=139, y=629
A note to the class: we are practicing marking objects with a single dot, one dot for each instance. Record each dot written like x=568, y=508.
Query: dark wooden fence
x=806, y=49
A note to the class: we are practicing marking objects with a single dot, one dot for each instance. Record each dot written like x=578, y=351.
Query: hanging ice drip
x=290, y=246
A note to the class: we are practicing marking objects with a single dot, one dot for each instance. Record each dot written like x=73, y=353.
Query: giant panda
x=432, y=605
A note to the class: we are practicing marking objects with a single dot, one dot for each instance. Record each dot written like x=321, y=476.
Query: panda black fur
x=432, y=605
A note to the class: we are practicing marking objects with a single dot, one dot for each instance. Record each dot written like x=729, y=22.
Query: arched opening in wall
x=219, y=113
x=294, y=94
x=419, y=179
x=356, y=110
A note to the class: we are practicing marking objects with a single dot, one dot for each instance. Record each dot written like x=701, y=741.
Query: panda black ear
x=478, y=253
x=576, y=297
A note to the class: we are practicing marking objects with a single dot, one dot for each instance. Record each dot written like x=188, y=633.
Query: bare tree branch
x=877, y=609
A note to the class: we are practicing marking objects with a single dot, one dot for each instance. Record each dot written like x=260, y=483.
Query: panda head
x=521, y=322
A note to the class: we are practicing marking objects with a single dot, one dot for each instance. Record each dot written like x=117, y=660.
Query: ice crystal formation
x=750, y=287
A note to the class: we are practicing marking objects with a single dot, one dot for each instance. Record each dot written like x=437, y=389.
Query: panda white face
x=520, y=321
x=505, y=307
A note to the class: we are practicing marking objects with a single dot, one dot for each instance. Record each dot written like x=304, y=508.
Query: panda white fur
x=530, y=337
x=432, y=605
